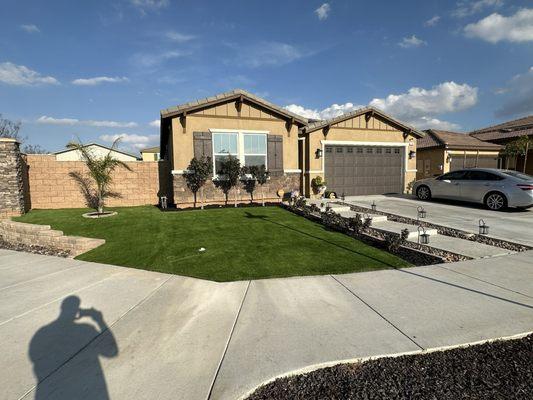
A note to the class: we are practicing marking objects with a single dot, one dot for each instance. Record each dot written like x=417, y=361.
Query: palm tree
x=100, y=170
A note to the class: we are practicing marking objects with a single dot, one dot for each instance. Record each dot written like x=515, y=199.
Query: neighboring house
x=150, y=154
x=363, y=152
x=99, y=150
x=505, y=133
x=442, y=151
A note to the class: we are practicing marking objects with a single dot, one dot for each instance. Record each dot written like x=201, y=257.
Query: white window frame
x=240, y=145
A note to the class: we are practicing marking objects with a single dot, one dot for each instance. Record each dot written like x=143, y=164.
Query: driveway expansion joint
x=377, y=312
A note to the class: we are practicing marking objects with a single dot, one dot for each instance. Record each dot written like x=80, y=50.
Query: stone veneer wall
x=50, y=185
x=11, y=179
x=43, y=235
x=213, y=195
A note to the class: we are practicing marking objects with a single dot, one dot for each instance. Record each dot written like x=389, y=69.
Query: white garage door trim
x=356, y=143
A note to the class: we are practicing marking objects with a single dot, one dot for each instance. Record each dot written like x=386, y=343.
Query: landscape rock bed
x=412, y=252
x=443, y=230
x=45, y=251
x=495, y=370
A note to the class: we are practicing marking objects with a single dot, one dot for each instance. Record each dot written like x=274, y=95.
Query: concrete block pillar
x=11, y=179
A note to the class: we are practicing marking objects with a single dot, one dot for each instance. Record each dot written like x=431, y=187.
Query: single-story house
x=443, y=151
x=96, y=149
x=362, y=152
x=506, y=132
x=150, y=154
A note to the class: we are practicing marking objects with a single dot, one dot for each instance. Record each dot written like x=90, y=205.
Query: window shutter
x=203, y=144
x=275, y=154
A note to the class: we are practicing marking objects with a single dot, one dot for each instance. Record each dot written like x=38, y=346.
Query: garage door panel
x=363, y=170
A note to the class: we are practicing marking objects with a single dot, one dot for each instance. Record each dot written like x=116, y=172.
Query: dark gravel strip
x=498, y=370
x=46, y=251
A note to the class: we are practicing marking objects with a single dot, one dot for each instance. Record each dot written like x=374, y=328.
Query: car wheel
x=423, y=193
x=495, y=201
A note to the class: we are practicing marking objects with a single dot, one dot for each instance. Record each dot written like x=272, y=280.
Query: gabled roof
x=154, y=149
x=99, y=145
x=312, y=127
x=453, y=140
x=228, y=96
x=520, y=123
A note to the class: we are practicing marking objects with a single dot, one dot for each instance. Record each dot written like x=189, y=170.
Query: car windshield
x=518, y=175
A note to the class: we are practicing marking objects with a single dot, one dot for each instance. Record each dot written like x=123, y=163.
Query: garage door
x=471, y=161
x=361, y=170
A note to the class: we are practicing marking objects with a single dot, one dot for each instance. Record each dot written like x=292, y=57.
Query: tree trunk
x=236, y=189
x=202, y=196
x=262, y=196
x=525, y=158
x=194, y=201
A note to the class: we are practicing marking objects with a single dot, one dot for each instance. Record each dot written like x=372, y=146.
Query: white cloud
x=98, y=80
x=267, y=54
x=418, y=106
x=156, y=123
x=412, y=41
x=518, y=96
x=496, y=27
x=20, y=75
x=132, y=141
x=144, y=5
x=30, y=28
x=73, y=121
x=323, y=11
x=154, y=59
x=179, y=37
x=432, y=21
x=330, y=112
x=434, y=123
x=470, y=7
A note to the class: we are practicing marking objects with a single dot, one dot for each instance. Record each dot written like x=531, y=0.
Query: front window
x=249, y=148
x=255, y=149
x=224, y=144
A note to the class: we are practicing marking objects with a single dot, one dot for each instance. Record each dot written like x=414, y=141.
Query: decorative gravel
x=46, y=251
x=496, y=370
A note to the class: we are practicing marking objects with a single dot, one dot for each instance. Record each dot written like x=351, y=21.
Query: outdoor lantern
x=412, y=154
x=423, y=238
x=368, y=219
x=373, y=206
x=342, y=196
x=318, y=153
x=483, y=228
x=421, y=212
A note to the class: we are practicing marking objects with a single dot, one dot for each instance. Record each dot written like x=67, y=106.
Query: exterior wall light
x=412, y=154
x=423, y=237
x=318, y=153
x=448, y=158
x=483, y=228
x=421, y=213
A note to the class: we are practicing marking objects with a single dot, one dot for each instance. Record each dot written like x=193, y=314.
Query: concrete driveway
x=512, y=224
x=170, y=337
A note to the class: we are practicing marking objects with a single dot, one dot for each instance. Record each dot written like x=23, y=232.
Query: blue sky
x=99, y=69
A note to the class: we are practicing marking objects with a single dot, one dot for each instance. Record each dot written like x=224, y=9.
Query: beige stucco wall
x=147, y=156
x=97, y=151
x=225, y=116
x=431, y=162
x=354, y=130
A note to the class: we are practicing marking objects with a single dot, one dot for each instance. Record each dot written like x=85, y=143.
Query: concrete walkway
x=172, y=337
x=514, y=225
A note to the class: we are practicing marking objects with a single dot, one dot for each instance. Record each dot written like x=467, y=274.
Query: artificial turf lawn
x=240, y=243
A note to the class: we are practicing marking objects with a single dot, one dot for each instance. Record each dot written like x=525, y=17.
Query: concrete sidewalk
x=172, y=337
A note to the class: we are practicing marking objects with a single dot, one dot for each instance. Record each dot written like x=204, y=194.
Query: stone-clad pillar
x=11, y=178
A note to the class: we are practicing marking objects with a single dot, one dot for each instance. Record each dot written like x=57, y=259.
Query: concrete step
x=464, y=247
x=352, y=214
x=396, y=227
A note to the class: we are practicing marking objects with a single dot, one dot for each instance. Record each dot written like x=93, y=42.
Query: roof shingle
x=453, y=140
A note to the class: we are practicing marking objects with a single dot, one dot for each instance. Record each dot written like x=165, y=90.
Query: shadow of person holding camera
x=58, y=342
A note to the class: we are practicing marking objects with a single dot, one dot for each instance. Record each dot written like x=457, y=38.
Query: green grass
x=242, y=243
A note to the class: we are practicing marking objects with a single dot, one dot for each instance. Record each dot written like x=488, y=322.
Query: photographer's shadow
x=67, y=339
